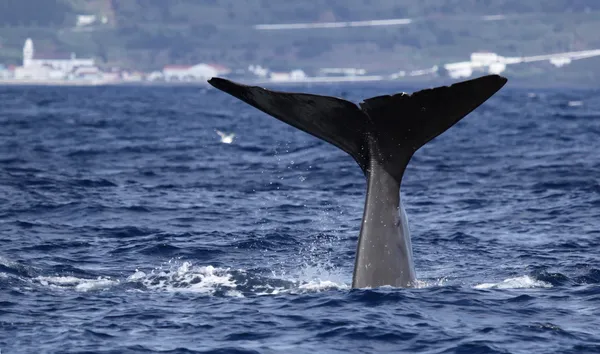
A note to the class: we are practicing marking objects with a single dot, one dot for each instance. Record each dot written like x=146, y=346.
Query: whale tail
x=386, y=130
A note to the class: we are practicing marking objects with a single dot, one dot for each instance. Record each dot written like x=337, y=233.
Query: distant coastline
x=32, y=82
x=420, y=82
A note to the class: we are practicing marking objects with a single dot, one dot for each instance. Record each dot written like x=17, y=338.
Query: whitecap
x=523, y=282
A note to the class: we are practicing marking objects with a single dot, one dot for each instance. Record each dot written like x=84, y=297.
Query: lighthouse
x=28, y=53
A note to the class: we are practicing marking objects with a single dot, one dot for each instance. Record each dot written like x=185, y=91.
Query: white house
x=193, y=72
x=4, y=72
x=258, y=70
x=343, y=71
x=294, y=75
x=459, y=70
x=85, y=20
x=480, y=61
x=485, y=58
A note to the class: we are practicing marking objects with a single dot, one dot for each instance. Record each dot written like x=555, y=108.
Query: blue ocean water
x=126, y=226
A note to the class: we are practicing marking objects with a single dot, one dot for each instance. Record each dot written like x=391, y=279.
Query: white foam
x=523, y=282
x=188, y=278
x=575, y=103
x=300, y=287
x=422, y=284
x=320, y=285
x=234, y=293
x=8, y=264
x=136, y=276
x=184, y=277
x=78, y=284
x=269, y=290
x=313, y=278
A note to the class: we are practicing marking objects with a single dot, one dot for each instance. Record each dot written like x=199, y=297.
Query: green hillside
x=147, y=34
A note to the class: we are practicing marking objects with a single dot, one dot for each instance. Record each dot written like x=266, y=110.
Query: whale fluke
x=381, y=135
x=400, y=123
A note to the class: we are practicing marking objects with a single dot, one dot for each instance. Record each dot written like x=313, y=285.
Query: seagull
x=225, y=138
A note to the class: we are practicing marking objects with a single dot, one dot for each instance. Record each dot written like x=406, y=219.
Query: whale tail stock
x=386, y=130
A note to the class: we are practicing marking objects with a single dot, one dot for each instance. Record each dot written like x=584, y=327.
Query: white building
x=294, y=75
x=193, y=72
x=342, y=71
x=49, y=67
x=59, y=62
x=258, y=70
x=85, y=20
x=480, y=61
x=4, y=73
x=155, y=76
x=459, y=70
x=496, y=64
x=485, y=58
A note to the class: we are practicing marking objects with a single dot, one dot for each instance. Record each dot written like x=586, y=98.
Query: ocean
x=127, y=226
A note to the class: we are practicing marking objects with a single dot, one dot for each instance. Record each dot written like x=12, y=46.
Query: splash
x=188, y=278
x=313, y=275
x=523, y=282
x=422, y=284
x=320, y=285
x=216, y=281
x=207, y=280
